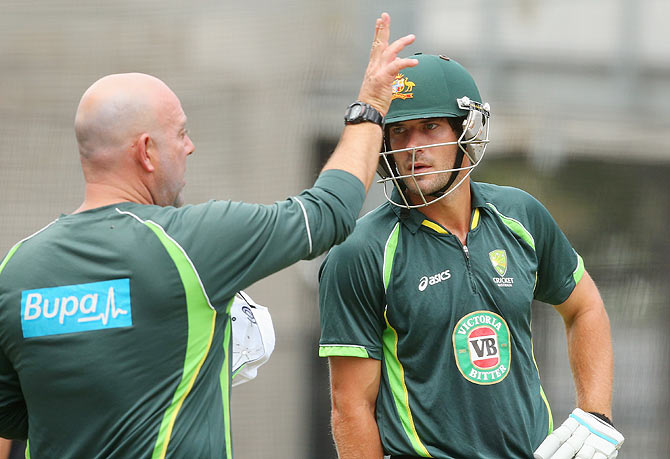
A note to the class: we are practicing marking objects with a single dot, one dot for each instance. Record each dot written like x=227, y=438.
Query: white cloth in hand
x=253, y=337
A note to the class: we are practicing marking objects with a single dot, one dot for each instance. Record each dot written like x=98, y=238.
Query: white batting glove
x=582, y=436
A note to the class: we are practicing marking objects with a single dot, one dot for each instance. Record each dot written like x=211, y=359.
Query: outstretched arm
x=354, y=386
x=589, y=346
x=358, y=149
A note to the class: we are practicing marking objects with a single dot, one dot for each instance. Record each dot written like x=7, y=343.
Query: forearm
x=14, y=421
x=358, y=151
x=356, y=434
x=591, y=359
x=354, y=388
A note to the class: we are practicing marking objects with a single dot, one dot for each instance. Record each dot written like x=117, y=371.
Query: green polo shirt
x=115, y=332
x=451, y=323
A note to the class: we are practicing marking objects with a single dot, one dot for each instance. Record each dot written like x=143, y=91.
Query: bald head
x=133, y=141
x=116, y=109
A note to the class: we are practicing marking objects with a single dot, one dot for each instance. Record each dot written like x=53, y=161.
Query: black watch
x=359, y=112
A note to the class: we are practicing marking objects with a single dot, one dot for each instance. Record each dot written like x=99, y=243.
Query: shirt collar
x=477, y=195
x=412, y=218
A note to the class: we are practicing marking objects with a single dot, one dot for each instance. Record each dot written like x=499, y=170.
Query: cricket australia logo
x=402, y=87
x=499, y=261
x=482, y=347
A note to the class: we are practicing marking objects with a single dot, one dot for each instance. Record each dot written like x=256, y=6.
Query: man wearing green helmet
x=425, y=308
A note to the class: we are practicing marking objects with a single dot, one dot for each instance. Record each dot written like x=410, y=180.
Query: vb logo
x=482, y=347
x=483, y=343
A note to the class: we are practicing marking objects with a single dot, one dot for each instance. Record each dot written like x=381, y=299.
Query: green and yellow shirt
x=451, y=323
x=115, y=333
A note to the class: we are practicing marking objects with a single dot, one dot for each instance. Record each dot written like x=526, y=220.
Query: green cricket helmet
x=438, y=87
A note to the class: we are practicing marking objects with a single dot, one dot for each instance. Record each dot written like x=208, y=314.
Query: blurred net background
x=580, y=93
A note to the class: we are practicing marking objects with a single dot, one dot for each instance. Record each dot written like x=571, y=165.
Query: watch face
x=359, y=112
x=356, y=111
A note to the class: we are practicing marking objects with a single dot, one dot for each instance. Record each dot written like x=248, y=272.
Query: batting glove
x=582, y=436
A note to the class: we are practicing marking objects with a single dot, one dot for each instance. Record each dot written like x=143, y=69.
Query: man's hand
x=358, y=149
x=384, y=65
x=582, y=436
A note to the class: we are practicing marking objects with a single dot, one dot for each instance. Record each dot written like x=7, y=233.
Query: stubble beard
x=178, y=200
x=429, y=186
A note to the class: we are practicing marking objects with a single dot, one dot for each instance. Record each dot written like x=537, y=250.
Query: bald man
x=115, y=319
x=133, y=144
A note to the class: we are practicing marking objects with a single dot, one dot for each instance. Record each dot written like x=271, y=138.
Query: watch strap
x=367, y=113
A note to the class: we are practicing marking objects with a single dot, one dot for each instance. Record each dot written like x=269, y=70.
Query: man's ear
x=145, y=152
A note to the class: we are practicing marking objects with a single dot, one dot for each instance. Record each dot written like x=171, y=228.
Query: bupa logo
x=425, y=281
x=76, y=308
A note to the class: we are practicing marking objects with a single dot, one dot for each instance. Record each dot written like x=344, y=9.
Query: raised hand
x=384, y=65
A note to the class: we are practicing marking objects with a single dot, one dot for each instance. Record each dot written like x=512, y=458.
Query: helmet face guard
x=472, y=143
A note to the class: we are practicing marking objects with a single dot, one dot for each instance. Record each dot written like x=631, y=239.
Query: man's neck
x=453, y=212
x=100, y=195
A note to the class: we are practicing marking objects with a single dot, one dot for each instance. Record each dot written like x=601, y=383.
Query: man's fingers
x=384, y=65
x=586, y=452
x=378, y=26
x=383, y=29
x=394, y=48
x=554, y=440
x=572, y=444
x=382, y=33
x=395, y=64
x=398, y=64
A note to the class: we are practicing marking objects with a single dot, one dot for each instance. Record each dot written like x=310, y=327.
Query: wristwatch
x=359, y=112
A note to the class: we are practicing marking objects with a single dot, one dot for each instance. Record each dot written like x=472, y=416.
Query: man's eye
x=431, y=126
x=397, y=130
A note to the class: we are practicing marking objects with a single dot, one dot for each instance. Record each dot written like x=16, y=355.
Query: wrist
x=602, y=417
x=361, y=112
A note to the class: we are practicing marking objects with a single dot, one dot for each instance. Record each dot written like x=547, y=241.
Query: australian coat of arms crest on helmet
x=402, y=87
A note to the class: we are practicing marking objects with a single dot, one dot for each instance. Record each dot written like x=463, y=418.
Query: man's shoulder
x=88, y=224
x=190, y=218
x=374, y=227
x=158, y=213
x=370, y=235
x=501, y=193
x=505, y=199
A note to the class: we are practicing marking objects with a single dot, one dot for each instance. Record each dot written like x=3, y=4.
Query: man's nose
x=415, y=139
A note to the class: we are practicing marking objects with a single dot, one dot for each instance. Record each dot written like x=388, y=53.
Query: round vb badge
x=482, y=347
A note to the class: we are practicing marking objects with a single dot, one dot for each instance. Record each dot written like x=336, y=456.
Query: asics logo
x=425, y=281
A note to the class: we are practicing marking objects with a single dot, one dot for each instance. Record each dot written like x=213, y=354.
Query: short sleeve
x=13, y=412
x=559, y=266
x=351, y=299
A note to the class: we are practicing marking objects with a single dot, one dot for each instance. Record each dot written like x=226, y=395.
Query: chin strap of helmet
x=458, y=161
